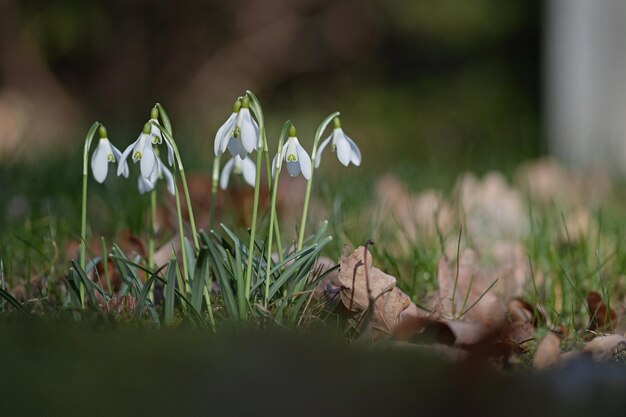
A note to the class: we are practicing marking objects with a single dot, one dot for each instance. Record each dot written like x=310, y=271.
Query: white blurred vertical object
x=585, y=82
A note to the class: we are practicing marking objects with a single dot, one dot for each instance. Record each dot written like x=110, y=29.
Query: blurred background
x=424, y=86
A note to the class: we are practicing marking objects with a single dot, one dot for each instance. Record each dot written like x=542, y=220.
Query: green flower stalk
x=166, y=131
x=104, y=154
x=307, y=195
x=257, y=188
x=275, y=171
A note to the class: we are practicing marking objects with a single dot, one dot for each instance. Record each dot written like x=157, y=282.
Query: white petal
x=290, y=151
x=293, y=168
x=235, y=147
x=155, y=132
x=144, y=185
x=139, y=145
x=356, y=152
x=248, y=131
x=318, y=156
x=156, y=173
x=148, y=160
x=100, y=163
x=248, y=170
x=305, y=162
x=122, y=164
x=226, y=171
x=122, y=169
x=169, y=179
x=170, y=152
x=274, y=161
x=284, y=151
x=343, y=148
x=224, y=130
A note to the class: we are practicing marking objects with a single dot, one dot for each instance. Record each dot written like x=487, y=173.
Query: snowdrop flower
x=295, y=156
x=157, y=136
x=240, y=133
x=142, y=152
x=237, y=165
x=105, y=152
x=347, y=151
x=161, y=172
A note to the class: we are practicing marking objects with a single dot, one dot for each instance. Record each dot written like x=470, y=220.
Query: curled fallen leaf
x=365, y=288
x=548, y=351
x=602, y=318
x=607, y=348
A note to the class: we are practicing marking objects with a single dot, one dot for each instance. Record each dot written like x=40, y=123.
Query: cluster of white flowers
x=240, y=135
x=144, y=150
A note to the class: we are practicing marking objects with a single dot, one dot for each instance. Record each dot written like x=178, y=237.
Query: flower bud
x=337, y=123
x=154, y=113
x=102, y=132
x=237, y=106
x=245, y=103
x=292, y=131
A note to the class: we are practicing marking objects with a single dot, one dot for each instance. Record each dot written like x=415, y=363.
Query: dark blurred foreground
x=65, y=370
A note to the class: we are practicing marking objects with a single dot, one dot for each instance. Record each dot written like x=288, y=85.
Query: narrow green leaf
x=170, y=287
x=11, y=300
x=223, y=280
x=284, y=277
x=89, y=285
x=165, y=118
x=201, y=270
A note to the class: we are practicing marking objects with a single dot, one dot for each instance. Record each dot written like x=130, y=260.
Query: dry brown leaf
x=546, y=182
x=493, y=210
x=467, y=332
x=602, y=317
x=548, y=351
x=607, y=348
x=470, y=295
x=412, y=216
x=362, y=284
x=355, y=286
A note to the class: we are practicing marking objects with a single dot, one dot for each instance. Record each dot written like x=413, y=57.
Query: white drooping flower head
x=142, y=152
x=240, y=133
x=236, y=165
x=346, y=149
x=158, y=137
x=161, y=172
x=294, y=155
x=104, y=154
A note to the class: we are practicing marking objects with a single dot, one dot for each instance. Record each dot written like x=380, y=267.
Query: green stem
x=105, y=264
x=183, y=177
x=307, y=196
x=83, y=236
x=305, y=209
x=152, y=228
x=83, y=213
x=279, y=244
x=192, y=220
x=255, y=209
x=181, y=232
x=268, y=266
x=214, y=184
x=151, y=236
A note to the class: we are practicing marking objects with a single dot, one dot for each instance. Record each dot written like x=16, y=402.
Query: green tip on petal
x=245, y=103
x=237, y=106
x=154, y=113
x=102, y=132
x=292, y=131
x=337, y=123
x=147, y=128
